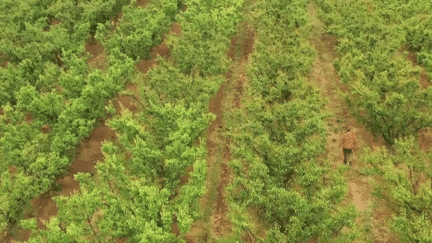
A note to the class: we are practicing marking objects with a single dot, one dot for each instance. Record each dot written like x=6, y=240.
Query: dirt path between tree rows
x=360, y=187
x=214, y=203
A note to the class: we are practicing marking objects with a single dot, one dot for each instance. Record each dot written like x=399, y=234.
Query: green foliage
x=166, y=83
x=385, y=93
x=78, y=118
x=24, y=147
x=46, y=108
x=160, y=138
x=206, y=30
x=28, y=72
x=43, y=57
x=99, y=11
x=406, y=188
x=401, y=111
x=169, y=155
x=30, y=32
x=419, y=35
x=281, y=133
x=118, y=205
x=141, y=28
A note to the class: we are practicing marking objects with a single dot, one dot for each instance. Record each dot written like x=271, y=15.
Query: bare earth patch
x=98, y=56
x=142, y=3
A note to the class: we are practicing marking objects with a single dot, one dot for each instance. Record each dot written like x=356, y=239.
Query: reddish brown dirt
x=144, y=65
x=143, y=3
x=126, y=101
x=183, y=181
x=95, y=49
x=121, y=240
x=55, y=22
x=44, y=208
x=245, y=48
x=160, y=50
x=248, y=44
x=425, y=139
x=222, y=225
x=89, y=152
x=220, y=221
x=4, y=63
x=325, y=76
x=241, y=44
x=232, y=50
x=98, y=57
x=176, y=29
x=29, y=118
x=45, y=128
x=59, y=89
x=12, y=169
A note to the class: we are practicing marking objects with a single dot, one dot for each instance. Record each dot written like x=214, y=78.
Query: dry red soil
x=142, y=3
x=4, y=63
x=95, y=49
x=97, y=55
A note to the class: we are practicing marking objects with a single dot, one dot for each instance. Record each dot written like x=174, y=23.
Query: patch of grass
x=368, y=171
x=365, y=225
x=57, y=187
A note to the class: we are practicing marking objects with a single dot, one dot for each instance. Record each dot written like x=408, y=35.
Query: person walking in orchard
x=349, y=144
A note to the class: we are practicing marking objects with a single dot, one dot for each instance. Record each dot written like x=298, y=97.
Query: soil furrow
x=216, y=223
